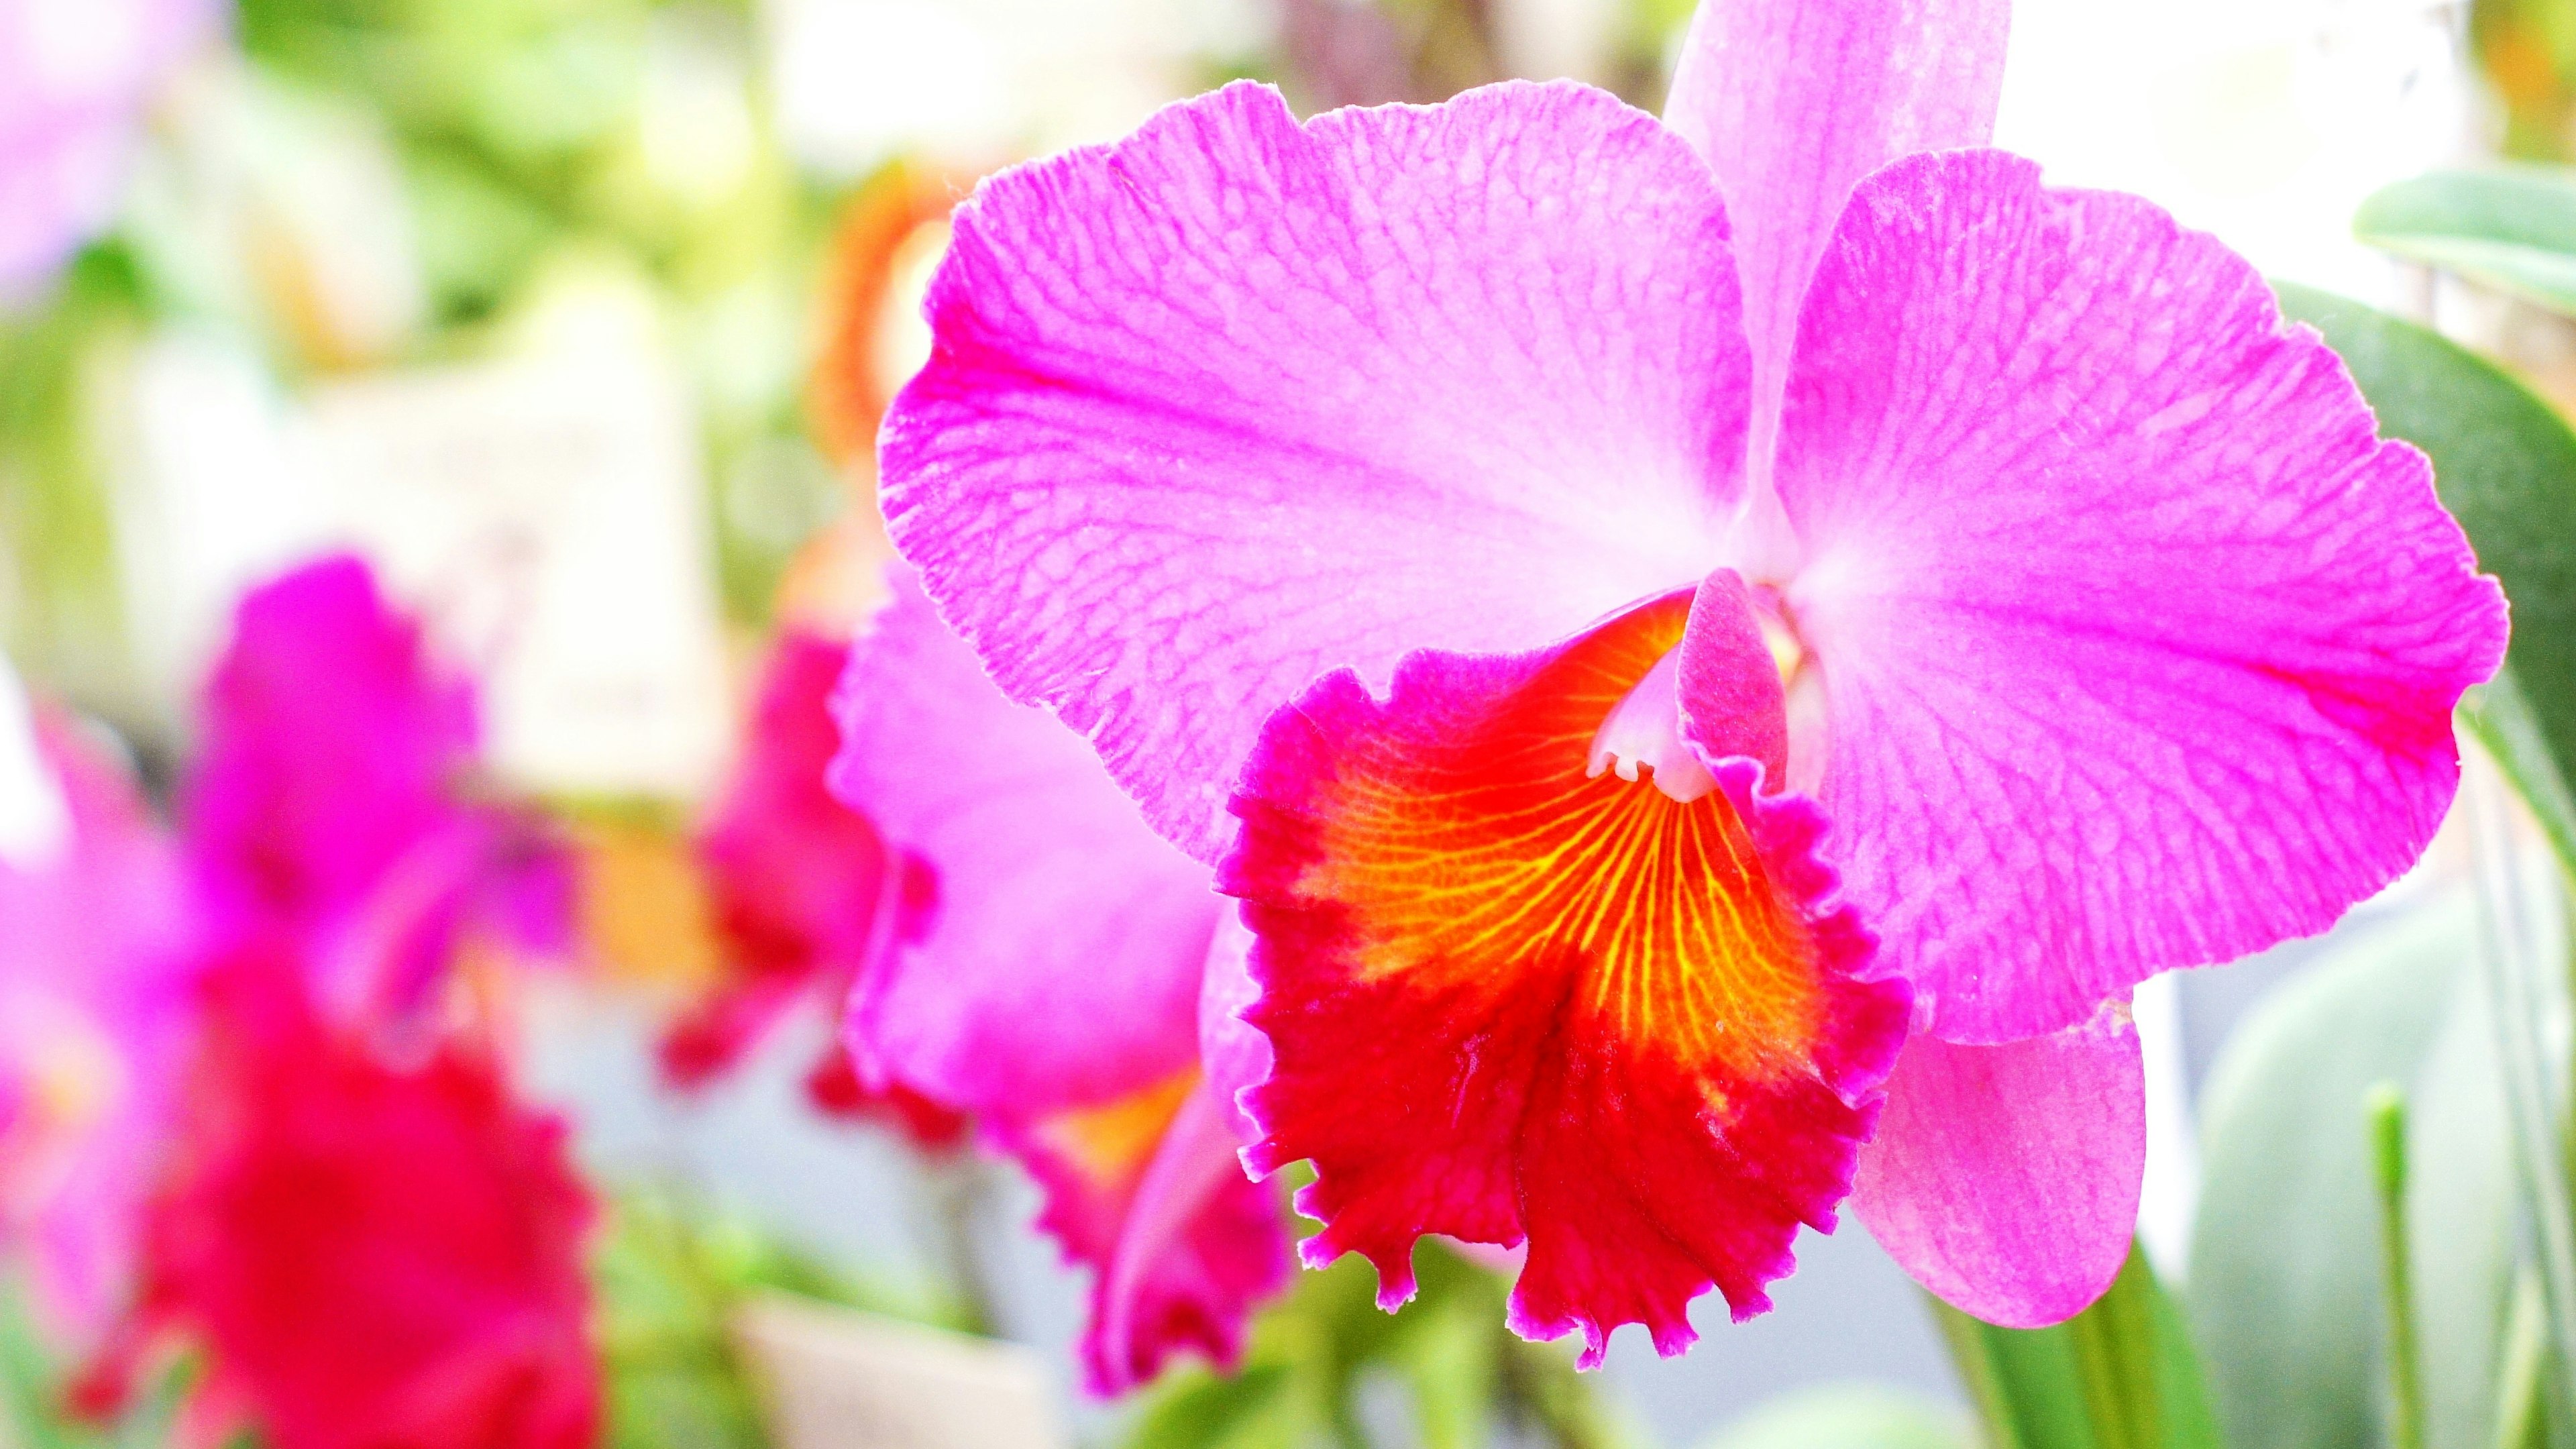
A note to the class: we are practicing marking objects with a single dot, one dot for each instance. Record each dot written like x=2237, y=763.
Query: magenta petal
x=2138, y=647
x=1237, y=401
x=1145, y=1192
x=2005, y=1178
x=1232, y=1051
x=1201, y=1244
x=1794, y=101
x=1061, y=956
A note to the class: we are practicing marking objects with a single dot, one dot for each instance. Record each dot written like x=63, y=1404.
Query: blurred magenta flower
x=1043, y=973
x=333, y=802
x=371, y=1256
x=799, y=884
x=96, y=1003
x=1615, y=569
x=75, y=76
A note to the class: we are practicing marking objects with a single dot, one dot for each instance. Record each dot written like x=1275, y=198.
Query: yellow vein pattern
x=1493, y=854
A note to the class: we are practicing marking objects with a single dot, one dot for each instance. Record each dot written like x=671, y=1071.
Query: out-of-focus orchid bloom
x=370, y=1256
x=1047, y=954
x=1615, y=569
x=96, y=966
x=798, y=881
x=74, y=79
x=330, y=803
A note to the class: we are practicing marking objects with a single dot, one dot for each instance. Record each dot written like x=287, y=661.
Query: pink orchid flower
x=1046, y=954
x=1655, y=617
x=331, y=800
x=75, y=78
x=368, y=1255
x=798, y=881
x=97, y=978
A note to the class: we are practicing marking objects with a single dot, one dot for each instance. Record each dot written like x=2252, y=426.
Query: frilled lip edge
x=1852, y=1057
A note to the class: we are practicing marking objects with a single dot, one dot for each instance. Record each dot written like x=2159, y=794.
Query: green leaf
x=1846, y=1416
x=2286, y=1296
x=2512, y=229
x=1466, y=1381
x=2120, y=1375
x=2505, y=464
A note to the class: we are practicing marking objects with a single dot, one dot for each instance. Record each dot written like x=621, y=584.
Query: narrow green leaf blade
x=2512, y=228
x=2505, y=464
x=2120, y=1375
x=2285, y=1295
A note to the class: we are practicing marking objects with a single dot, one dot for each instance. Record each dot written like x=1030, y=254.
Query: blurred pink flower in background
x=333, y=802
x=97, y=971
x=1044, y=977
x=800, y=885
x=75, y=79
x=371, y=1255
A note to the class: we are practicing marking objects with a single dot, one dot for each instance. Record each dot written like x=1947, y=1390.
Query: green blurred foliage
x=2287, y=1293
x=1324, y=1355
x=2123, y=1374
x=669, y=1277
x=2513, y=230
x=1847, y=1416
x=2527, y=48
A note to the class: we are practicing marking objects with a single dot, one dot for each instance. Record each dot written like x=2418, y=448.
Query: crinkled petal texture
x=1238, y=401
x=2005, y=1178
x=1055, y=945
x=1513, y=1000
x=1144, y=1190
x=2139, y=647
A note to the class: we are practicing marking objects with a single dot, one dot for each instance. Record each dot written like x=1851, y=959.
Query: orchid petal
x=97, y=995
x=2005, y=1178
x=1060, y=958
x=1232, y=1051
x=797, y=877
x=1510, y=998
x=2139, y=648
x=1237, y=401
x=1792, y=102
x=1145, y=1192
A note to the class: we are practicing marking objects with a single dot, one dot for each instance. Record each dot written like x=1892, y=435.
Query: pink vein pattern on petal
x=1061, y=957
x=1145, y=1192
x=1794, y=101
x=1237, y=401
x=2005, y=1178
x=2139, y=647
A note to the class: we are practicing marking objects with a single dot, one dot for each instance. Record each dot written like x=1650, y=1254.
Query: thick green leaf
x=2513, y=228
x=2285, y=1292
x=2120, y=1375
x=2505, y=464
x=1847, y=1416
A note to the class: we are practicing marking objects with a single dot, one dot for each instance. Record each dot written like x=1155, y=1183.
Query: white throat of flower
x=1644, y=733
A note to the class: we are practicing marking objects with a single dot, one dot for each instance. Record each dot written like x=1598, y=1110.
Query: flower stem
x=2516, y=990
x=2384, y=1108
